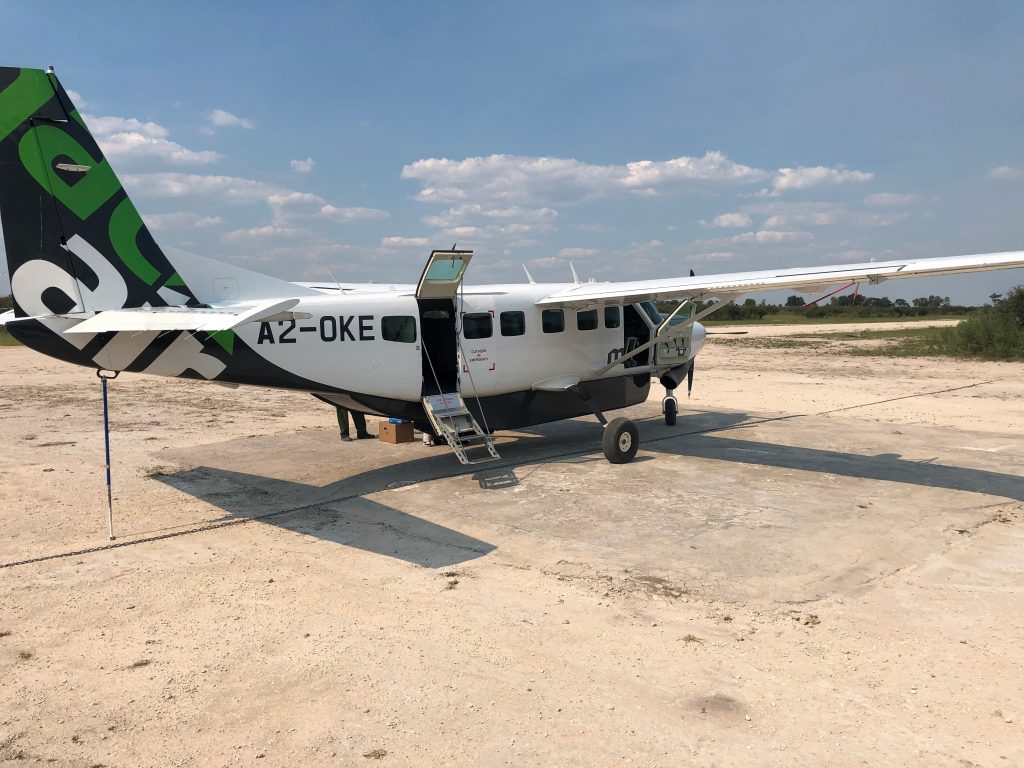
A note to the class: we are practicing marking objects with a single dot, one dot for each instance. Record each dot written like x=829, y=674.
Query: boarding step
x=452, y=420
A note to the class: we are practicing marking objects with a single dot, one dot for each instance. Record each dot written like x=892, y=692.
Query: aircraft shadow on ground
x=375, y=527
x=890, y=467
x=718, y=444
x=361, y=523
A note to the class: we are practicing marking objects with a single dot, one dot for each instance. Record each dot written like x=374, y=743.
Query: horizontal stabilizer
x=212, y=319
x=6, y=317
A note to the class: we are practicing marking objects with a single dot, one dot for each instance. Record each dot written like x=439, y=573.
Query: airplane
x=91, y=286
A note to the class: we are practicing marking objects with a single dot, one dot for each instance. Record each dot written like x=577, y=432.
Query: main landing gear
x=621, y=437
x=621, y=441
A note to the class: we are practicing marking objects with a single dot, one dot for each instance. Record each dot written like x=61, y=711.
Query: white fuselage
x=341, y=343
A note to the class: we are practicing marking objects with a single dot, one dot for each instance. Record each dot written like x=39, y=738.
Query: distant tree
x=920, y=301
x=750, y=303
x=6, y=302
x=901, y=303
x=795, y=301
x=876, y=301
x=995, y=298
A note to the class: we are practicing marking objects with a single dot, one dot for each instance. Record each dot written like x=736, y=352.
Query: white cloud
x=259, y=233
x=1006, y=173
x=303, y=166
x=891, y=199
x=810, y=219
x=180, y=220
x=404, y=242
x=221, y=118
x=712, y=256
x=546, y=261
x=491, y=221
x=463, y=213
x=329, y=211
x=125, y=138
x=782, y=216
x=77, y=100
x=578, y=253
x=787, y=179
x=305, y=202
x=518, y=179
x=726, y=220
x=770, y=236
x=230, y=188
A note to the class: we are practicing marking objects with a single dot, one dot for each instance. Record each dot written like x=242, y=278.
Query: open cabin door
x=442, y=401
x=442, y=276
x=435, y=295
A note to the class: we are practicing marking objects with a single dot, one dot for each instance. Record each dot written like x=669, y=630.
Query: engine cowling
x=672, y=378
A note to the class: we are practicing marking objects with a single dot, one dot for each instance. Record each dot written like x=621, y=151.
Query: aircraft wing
x=212, y=319
x=802, y=279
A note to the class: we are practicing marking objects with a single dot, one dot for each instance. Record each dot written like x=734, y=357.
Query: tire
x=621, y=441
x=671, y=409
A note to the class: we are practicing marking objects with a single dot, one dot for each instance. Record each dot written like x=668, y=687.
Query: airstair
x=452, y=420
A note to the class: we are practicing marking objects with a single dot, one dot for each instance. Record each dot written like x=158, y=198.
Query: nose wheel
x=670, y=407
x=621, y=441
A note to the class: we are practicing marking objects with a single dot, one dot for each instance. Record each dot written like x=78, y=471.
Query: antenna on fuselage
x=336, y=283
x=529, y=276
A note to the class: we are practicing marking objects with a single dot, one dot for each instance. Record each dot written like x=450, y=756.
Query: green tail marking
x=22, y=98
x=42, y=145
x=125, y=225
x=226, y=339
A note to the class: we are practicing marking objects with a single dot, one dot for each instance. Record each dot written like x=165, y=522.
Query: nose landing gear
x=670, y=407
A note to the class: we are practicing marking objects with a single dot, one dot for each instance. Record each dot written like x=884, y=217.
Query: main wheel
x=671, y=409
x=621, y=441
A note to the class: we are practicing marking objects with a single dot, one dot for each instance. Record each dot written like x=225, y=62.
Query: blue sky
x=637, y=140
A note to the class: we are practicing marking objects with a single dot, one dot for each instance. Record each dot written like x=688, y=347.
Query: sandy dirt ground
x=821, y=564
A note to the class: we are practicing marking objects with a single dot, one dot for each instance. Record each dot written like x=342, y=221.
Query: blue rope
x=106, y=450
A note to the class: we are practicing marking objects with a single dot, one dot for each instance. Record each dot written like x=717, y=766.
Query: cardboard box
x=395, y=433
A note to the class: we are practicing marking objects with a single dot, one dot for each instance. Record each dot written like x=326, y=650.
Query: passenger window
x=513, y=323
x=398, y=328
x=553, y=321
x=612, y=318
x=586, y=319
x=477, y=325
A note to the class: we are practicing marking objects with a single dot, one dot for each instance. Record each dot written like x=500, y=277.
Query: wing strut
x=666, y=332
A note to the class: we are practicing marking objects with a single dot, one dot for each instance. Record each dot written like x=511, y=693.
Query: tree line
x=836, y=306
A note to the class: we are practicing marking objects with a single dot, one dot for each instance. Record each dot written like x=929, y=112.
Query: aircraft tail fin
x=74, y=240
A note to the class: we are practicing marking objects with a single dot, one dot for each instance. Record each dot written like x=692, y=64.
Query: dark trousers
x=357, y=418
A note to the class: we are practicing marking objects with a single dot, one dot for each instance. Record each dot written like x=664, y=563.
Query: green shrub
x=994, y=333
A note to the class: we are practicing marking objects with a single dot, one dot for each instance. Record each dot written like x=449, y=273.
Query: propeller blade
x=689, y=378
x=726, y=333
